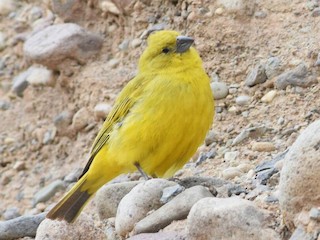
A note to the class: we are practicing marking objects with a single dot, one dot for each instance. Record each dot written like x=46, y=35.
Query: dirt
x=230, y=44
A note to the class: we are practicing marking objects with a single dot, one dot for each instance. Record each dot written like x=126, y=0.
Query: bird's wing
x=127, y=98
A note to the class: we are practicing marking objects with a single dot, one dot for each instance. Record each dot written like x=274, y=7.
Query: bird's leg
x=144, y=175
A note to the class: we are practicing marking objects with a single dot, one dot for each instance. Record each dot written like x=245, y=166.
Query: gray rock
x=114, y=193
x=220, y=90
x=315, y=213
x=318, y=60
x=4, y=105
x=124, y=45
x=170, y=192
x=243, y=100
x=82, y=228
x=24, y=226
x=228, y=219
x=316, y=12
x=300, y=234
x=256, y=76
x=11, y=213
x=158, y=236
x=63, y=120
x=73, y=176
x=56, y=43
x=138, y=202
x=264, y=175
x=2, y=41
x=252, y=132
x=299, y=182
x=270, y=164
x=260, y=14
x=273, y=67
x=211, y=137
x=20, y=83
x=295, y=77
x=47, y=192
x=81, y=119
x=178, y=208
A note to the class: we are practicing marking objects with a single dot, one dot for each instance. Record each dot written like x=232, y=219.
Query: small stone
x=114, y=193
x=269, y=96
x=11, y=213
x=315, y=213
x=56, y=43
x=40, y=76
x=265, y=175
x=263, y=146
x=81, y=119
x=273, y=67
x=138, y=202
x=7, y=6
x=233, y=109
x=178, y=208
x=109, y=6
x=260, y=14
x=49, y=136
x=219, y=11
x=170, y=192
x=101, y=110
x=124, y=45
x=4, y=105
x=252, y=132
x=19, y=166
x=220, y=90
x=256, y=76
x=82, y=228
x=316, y=12
x=210, y=138
x=159, y=236
x=21, y=227
x=243, y=100
x=20, y=83
x=113, y=63
x=231, y=156
x=48, y=191
x=9, y=140
x=244, y=167
x=318, y=60
x=73, y=176
x=231, y=173
x=63, y=120
x=136, y=42
x=228, y=219
x=2, y=41
x=41, y=206
x=295, y=77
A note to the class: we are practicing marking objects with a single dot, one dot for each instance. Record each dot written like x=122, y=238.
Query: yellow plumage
x=158, y=121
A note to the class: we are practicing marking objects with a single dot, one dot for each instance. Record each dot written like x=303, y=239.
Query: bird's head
x=168, y=50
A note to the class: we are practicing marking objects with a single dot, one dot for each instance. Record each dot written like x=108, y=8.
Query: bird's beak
x=183, y=43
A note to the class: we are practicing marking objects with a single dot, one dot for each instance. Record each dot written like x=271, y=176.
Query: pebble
x=295, y=77
x=252, y=132
x=178, y=208
x=138, y=202
x=256, y=76
x=263, y=146
x=136, y=42
x=299, y=181
x=40, y=76
x=7, y=6
x=24, y=226
x=263, y=176
x=124, y=45
x=101, y=111
x=219, y=11
x=231, y=173
x=81, y=119
x=48, y=191
x=114, y=193
x=220, y=90
x=244, y=167
x=56, y=43
x=170, y=192
x=82, y=228
x=108, y=6
x=314, y=213
x=260, y=14
x=19, y=166
x=316, y=12
x=11, y=213
x=231, y=156
x=159, y=236
x=211, y=137
x=9, y=140
x=113, y=63
x=269, y=96
x=20, y=83
x=243, y=100
x=273, y=67
x=73, y=176
x=62, y=120
x=4, y=105
x=228, y=219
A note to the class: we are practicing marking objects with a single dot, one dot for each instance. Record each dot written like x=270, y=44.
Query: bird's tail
x=70, y=206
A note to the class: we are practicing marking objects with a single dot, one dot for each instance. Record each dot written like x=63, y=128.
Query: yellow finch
x=157, y=122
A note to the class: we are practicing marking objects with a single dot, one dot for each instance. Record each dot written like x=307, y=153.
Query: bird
x=156, y=125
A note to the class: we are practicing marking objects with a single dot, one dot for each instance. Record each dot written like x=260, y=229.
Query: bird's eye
x=165, y=50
